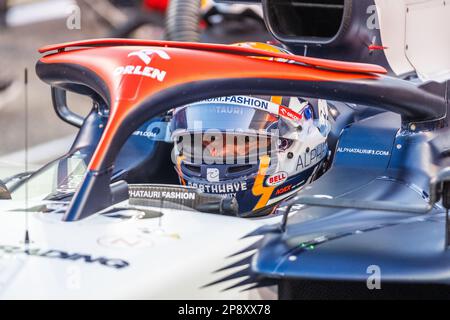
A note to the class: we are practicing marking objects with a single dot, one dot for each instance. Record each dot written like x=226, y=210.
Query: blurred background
x=26, y=25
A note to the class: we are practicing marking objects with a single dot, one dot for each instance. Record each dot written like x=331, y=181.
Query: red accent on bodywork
x=127, y=91
x=160, y=5
x=313, y=62
x=374, y=47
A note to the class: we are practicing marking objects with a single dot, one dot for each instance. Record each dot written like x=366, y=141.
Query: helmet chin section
x=257, y=188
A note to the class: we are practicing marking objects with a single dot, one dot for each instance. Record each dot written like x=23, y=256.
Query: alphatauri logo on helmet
x=308, y=159
x=146, y=55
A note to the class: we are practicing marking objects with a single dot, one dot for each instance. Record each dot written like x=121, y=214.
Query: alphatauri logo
x=146, y=55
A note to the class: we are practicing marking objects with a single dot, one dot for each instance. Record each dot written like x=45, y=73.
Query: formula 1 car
x=84, y=197
x=84, y=226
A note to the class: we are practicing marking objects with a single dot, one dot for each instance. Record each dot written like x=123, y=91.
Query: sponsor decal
x=276, y=179
x=289, y=113
x=169, y=195
x=371, y=152
x=146, y=134
x=232, y=187
x=250, y=102
x=229, y=110
x=149, y=72
x=212, y=174
x=283, y=190
x=125, y=242
x=146, y=55
x=63, y=255
x=241, y=100
x=307, y=159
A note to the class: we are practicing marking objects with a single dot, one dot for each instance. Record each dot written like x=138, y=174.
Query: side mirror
x=59, y=98
x=4, y=192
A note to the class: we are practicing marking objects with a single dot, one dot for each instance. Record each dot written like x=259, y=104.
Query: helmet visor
x=224, y=148
x=223, y=117
x=224, y=132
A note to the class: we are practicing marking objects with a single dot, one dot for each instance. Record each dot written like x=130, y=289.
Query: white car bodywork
x=128, y=257
x=417, y=36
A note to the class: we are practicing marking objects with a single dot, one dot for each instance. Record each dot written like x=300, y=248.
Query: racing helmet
x=257, y=149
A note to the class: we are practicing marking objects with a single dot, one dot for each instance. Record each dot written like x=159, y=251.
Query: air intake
x=313, y=21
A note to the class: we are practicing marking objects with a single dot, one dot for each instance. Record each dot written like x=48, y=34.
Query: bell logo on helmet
x=276, y=179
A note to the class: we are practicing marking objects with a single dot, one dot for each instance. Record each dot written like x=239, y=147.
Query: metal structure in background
x=183, y=20
x=124, y=18
x=3, y=10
